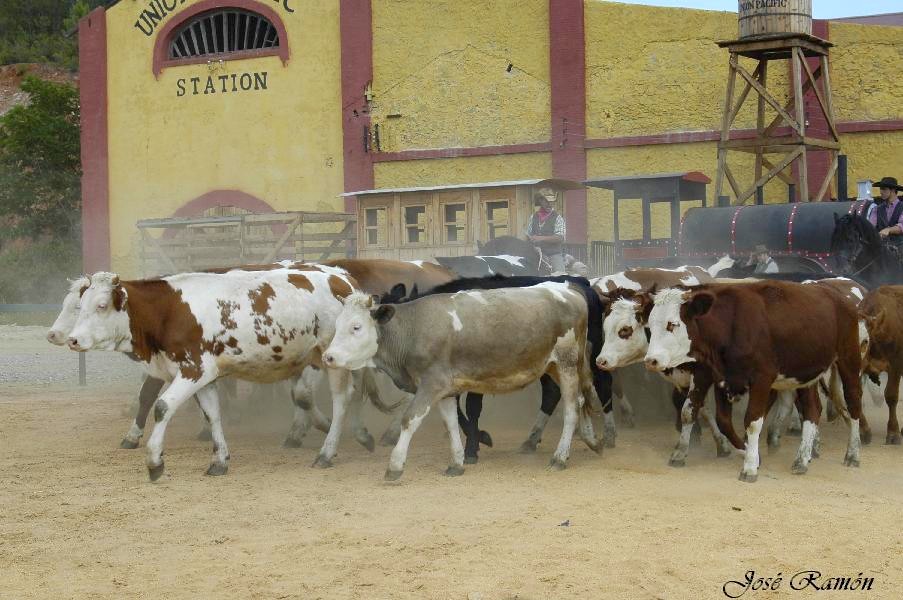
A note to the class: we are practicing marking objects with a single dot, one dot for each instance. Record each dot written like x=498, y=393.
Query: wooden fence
x=188, y=244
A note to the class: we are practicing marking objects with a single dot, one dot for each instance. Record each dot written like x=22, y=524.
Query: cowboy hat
x=888, y=182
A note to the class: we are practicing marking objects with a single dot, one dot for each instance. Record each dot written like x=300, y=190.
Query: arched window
x=223, y=32
x=216, y=30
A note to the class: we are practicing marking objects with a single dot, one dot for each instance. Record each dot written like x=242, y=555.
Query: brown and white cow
x=882, y=311
x=444, y=344
x=762, y=336
x=193, y=328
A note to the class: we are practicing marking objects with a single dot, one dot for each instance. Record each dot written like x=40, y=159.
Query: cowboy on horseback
x=886, y=212
x=547, y=230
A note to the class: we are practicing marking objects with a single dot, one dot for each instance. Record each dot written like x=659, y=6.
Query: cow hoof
x=894, y=439
x=368, y=443
x=388, y=439
x=453, y=471
x=723, y=452
x=794, y=432
x=849, y=461
x=204, y=435
x=322, y=462
x=217, y=469
x=815, y=451
x=527, y=447
x=677, y=462
x=485, y=438
x=629, y=422
x=128, y=444
x=748, y=477
x=155, y=473
x=799, y=468
x=471, y=460
x=392, y=475
x=291, y=442
x=865, y=437
x=556, y=464
x=608, y=442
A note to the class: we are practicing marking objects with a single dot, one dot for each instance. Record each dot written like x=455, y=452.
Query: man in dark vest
x=886, y=213
x=547, y=229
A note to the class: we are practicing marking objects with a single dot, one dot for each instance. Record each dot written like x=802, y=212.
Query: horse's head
x=853, y=241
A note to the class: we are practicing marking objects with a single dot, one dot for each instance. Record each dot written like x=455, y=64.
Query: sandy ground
x=79, y=519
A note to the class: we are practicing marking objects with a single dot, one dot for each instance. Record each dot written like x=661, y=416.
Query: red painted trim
x=819, y=161
x=236, y=198
x=164, y=35
x=459, y=152
x=697, y=176
x=567, y=72
x=92, y=53
x=867, y=126
x=356, y=30
x=216, y=198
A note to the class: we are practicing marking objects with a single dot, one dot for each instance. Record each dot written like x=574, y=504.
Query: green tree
x=36, y=30
x=40, y=194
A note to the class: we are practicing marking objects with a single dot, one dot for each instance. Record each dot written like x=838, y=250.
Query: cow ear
x=119, y=297
x=115, y=280
x=646, y=304
x=374, y=300
x=383, y=314
x=700, y=303
x=604, y=298
x=399, y=291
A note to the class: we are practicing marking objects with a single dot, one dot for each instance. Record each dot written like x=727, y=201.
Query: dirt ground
x=81, y=520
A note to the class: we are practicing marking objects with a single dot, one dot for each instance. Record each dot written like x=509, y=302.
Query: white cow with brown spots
x=442, y=345
x=193, y=328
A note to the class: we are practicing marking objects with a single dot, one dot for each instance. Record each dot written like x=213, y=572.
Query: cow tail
x=371, y=391
x=835, y=393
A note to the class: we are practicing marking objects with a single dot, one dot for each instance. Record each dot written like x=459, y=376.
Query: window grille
x=223, y=32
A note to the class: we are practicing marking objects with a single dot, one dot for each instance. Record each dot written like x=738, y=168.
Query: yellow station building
x=277, y=105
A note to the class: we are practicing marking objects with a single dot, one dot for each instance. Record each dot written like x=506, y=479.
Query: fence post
x=760, y=195
x=791, y=192
x=842, y=192
x=82, y=369
x=724, y=201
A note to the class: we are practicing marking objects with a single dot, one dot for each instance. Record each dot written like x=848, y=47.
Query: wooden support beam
x=730, y=178
x=766, y=95
x=827, y=182
x=281, y=241
x=779, y=174
x=789, y=158
x=826, y=84
x=150, y=241
x=821, y=99
x=760, y=115
x=796, y=73
x=346, y=231
x=787, y=107
x=725, y=124
x=746, y=89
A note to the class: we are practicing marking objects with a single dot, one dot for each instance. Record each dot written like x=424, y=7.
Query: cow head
x=877, y=346
x=672, y=317
x=356, y=332
x=103, y=322
x=625, y=330
x=65, y=321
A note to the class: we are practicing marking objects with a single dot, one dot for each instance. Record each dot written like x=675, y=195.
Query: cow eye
x=671, y=326
x=356, y=327
x=78, y=306
x=102, y=306
x=625, y=332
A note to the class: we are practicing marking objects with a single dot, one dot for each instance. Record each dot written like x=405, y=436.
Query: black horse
x=505, y=255
x=551, y=394
x=862, y=255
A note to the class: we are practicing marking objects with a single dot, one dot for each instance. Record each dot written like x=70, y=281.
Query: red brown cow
x=882, y=310
x=762, y=336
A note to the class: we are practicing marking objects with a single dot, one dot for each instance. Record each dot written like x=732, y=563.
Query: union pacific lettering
x=747, y=5
x=156, y=11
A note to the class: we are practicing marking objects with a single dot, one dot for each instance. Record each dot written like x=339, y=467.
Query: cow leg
x=780, y=412
x=413, y=416
x=470, y=425
x=722, y=444
x=602, y=382
x=208, y=399
x=755, y=416
x=891, y=394
x=852, y=392
x=340, y=385
x=150, y=389
x=551, y=395
x=809, y=405
x=355, y=406
x=448, y=407
x=590, y=387
x=688, y=418
x=568, y=385
x=302, y=392
x=167, y=404
x=724, y=412
x=625, y=409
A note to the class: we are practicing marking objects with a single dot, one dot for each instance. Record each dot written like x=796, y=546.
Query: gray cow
x=487, y=341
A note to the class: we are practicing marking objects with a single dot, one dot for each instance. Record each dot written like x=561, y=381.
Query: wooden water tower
x=778, y=30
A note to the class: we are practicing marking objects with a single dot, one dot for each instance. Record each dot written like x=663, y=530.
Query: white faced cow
x=193, y=328
x=445, y=344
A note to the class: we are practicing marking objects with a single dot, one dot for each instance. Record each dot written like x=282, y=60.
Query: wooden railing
x=187, y=244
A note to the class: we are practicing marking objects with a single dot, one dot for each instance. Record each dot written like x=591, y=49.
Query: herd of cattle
x=436, y=336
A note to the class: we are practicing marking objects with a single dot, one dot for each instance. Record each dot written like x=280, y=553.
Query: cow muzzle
x=74, y=345
x=654, y=363
x=56, y=337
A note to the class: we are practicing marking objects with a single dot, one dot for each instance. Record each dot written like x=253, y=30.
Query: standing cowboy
x=547, y=229
x=886, y=212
